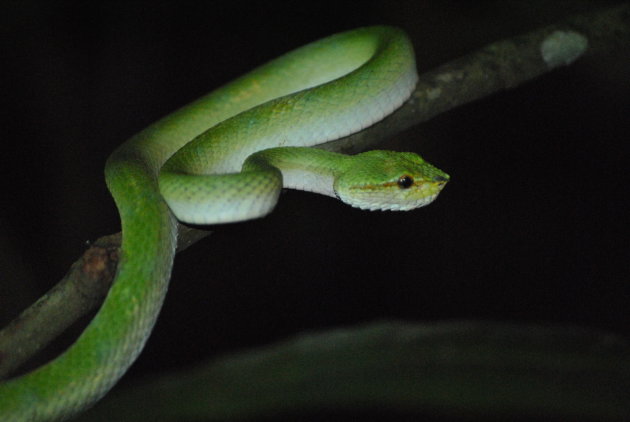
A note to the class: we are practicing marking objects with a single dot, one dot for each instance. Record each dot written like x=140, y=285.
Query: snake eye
x=405, y=182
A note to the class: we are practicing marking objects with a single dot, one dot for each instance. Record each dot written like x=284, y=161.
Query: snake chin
x=395, y=206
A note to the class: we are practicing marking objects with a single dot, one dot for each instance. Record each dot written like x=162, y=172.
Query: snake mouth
x=406, y=206
x=392, y=201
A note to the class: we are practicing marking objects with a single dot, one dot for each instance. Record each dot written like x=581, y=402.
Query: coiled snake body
x=223, y=158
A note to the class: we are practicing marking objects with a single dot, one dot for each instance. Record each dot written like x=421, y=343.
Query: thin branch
x=79, y=292
x=501, y=65
x=82, y=289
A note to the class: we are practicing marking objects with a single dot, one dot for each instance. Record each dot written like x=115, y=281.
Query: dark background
x=533, y=226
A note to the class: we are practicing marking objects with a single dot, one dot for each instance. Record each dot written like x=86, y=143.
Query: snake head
x=387, y=180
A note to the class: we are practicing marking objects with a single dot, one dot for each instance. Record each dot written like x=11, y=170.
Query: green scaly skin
x=385, y=71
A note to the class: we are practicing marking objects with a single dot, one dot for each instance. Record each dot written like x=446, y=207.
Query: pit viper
x=224, y=158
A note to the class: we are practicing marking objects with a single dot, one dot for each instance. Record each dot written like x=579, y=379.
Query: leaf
x=460, y=368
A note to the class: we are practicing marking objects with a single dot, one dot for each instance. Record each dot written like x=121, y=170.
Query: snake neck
x=308, y=169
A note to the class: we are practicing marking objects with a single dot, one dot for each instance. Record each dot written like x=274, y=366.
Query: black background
x=533, y=226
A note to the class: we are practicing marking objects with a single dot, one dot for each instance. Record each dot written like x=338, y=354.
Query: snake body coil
x=317, y=93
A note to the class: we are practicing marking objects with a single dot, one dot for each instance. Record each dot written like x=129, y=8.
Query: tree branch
x=501, y=65
x=80, y=291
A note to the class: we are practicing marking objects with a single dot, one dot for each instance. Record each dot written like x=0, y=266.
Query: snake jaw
x=420, y=195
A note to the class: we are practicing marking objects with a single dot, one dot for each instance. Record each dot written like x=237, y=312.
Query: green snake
x=225, y=158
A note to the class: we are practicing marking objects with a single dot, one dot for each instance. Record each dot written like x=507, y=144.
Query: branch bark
x=501, y=65
x=79, y=292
